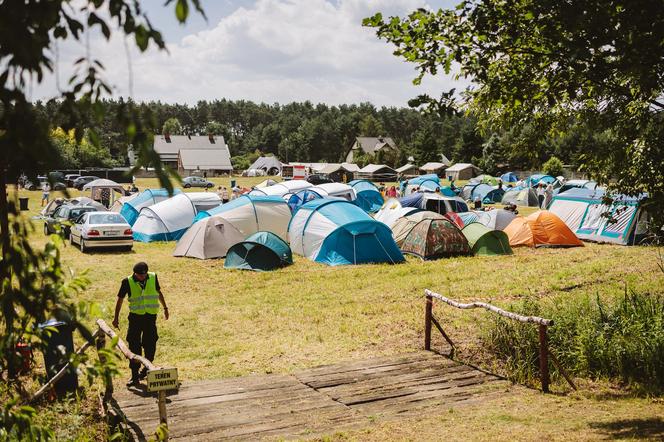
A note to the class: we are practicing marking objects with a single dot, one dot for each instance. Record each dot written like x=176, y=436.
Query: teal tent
x=261, y=251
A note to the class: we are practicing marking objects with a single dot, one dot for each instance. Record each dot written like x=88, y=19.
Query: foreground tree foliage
x=34, y=285
x=554, y=65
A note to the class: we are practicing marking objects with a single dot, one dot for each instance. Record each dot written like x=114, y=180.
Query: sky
x=271, y=51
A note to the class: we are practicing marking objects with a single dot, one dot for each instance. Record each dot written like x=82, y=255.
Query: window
x=107, y=218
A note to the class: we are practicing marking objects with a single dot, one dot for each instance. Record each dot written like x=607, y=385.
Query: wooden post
x=163, y=419
x=108, y=383
x=427, y=323
x=544, y=358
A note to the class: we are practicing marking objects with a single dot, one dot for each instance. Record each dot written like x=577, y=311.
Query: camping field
x=232, y=323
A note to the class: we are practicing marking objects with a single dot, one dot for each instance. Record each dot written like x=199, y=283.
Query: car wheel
x=82, y=245
x=187, y=186
x=46, y=229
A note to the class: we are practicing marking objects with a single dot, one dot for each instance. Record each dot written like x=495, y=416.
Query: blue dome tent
x=509, y=177
x=368, y=197
x=336, y=232
x=147, y=198
x=535, y=179
x=262, y=251
x=297, y=200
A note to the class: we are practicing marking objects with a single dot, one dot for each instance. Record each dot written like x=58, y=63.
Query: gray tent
x=210, y=237
x=270, y=165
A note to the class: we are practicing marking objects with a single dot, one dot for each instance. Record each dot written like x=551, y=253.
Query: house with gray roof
x=370, y=145
x=194, y=154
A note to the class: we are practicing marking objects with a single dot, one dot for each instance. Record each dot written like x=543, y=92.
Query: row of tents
x=327, y=224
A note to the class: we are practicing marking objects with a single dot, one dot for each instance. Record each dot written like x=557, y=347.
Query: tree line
x=308, y=132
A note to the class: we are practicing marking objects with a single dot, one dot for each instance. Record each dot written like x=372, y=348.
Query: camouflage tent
x=429, y=236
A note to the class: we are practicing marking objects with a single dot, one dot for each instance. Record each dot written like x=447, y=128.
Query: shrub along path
x=311, y=402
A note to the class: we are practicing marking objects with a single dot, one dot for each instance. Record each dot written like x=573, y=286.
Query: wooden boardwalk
x=312, y=402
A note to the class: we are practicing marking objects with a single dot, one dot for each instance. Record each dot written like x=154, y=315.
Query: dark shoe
x=143, y=374
x=133, y=382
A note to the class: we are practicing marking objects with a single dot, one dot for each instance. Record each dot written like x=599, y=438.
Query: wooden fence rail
x=544, y=351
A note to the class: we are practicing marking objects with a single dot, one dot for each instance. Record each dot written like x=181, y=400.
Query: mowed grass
x=232, y=323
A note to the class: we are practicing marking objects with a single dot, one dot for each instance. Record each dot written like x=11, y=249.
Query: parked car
x=101, y=229
x=83, y=180
x=317, y=179
x=69, y=179
x=40, y=182
x=64, y=216
x=196, y=181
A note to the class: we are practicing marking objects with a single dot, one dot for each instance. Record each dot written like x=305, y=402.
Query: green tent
x=260, y=252
x=484, y=241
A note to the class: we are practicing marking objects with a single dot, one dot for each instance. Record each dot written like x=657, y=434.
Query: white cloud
x=273, y=51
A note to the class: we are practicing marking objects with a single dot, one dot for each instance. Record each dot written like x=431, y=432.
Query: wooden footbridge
x=312, y=402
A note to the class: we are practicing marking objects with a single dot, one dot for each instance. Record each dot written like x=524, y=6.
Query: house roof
x=186, y=142
x=373, y=144
x=406, y=167
x=373, y=168
x=433, y=166
x=205, y=159
x=460, y=166
x=333, y=167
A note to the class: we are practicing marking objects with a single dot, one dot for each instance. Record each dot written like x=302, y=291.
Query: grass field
x=231, y=323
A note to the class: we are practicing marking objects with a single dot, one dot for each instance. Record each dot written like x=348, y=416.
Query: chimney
x=211, y=138
x=167, y=137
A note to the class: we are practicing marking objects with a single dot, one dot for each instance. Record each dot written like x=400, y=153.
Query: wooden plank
x=386, y=381
x=374, y=372
x=366, y=364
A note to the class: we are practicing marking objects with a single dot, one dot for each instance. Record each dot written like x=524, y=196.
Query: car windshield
x=107, y=218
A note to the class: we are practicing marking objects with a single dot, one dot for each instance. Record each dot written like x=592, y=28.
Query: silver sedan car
x=101, y=229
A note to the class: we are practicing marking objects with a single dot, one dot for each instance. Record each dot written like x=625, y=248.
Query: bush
x=553, y=167
x=621, y=340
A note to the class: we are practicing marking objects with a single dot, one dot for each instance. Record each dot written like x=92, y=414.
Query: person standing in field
x=224, y=195
x=46, y=192
x=548, y=195
x=142, y=288
x=540, y=195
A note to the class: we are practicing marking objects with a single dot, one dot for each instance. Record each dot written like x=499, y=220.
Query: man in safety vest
x=145, y=295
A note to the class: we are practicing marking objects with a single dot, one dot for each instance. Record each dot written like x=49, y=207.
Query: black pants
x=540, y=198
x=142, y=337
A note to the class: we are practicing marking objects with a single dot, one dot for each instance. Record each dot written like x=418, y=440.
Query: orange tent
x=541, y=229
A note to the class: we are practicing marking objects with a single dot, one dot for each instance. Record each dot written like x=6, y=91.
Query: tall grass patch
x=620, y=338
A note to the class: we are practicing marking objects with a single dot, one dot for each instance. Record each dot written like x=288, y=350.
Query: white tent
x=103, y=186
x=496, y=219
x=391, y=211
x=209, y=237
x=282, y=188
x=169, y=219
x=204, y=200
x=338, y=190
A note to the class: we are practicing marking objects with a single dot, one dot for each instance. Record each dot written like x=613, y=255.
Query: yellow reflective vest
x=143, y=300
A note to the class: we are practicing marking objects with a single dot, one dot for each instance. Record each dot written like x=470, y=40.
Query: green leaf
x=182, y=10
x=142, y=39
